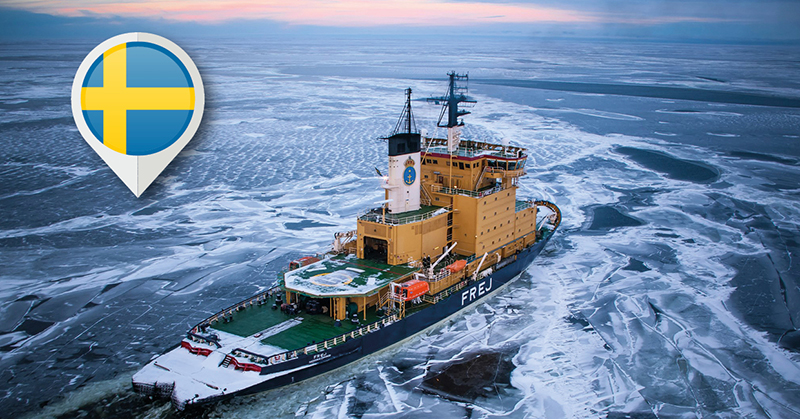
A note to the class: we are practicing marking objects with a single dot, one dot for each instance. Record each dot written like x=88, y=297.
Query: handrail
x=258, y=358
x=457, y=191
x=470, y=148
x=327, y=344
x=376, y=215
x=523, y=205
x=446, y=293
x=201, y=339
x=229, y=310
x=552, y=207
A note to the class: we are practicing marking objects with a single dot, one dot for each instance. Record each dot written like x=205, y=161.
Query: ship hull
x=313, y=365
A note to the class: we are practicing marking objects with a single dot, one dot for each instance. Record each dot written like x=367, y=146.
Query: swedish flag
x=137, y=98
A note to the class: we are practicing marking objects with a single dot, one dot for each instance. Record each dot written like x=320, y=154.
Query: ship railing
x=552, y=207
x=259, y=359
x=429, y=299
x=202, y=339
x=383, y=299
x=377, y=215
x=505, y=155
x=523, y=205
x=238, y=306
x=318, y=347
x=470, y=148
x=445, y=273
x=433, y=299
x=442, y=274
x=457, y=191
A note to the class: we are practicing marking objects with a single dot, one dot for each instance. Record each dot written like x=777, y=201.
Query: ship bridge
x=481, y=160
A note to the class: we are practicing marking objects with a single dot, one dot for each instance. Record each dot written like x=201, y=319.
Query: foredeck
x=287, y=331
x=344, y=276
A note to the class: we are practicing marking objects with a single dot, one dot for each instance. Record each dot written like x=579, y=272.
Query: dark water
x=670, y=290
x=671, y=167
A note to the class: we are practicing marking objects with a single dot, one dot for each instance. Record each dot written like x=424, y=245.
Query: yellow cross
x=115, y=98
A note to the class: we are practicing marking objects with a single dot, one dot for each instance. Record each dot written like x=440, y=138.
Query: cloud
x=371, y=13
x=684, y=20
x=347, y=13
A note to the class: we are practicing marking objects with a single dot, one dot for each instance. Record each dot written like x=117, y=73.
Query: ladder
x=226, y=361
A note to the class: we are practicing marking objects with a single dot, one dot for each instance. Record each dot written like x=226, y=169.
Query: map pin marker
x=137, y=99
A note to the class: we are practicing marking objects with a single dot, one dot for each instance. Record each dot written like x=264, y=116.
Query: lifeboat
x=413, y=289
x=456, y=266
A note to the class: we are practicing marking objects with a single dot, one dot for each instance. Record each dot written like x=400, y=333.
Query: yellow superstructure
x=470, y=199
x=450, y=215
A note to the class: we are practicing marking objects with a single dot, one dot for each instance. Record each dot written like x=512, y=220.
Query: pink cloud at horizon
x=313, y=12
x=348, y=13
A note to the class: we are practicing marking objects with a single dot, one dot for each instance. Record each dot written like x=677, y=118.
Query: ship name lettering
x=320, y=357
x=476, y=291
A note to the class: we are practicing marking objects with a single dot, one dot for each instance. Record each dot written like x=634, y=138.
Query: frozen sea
x=670, y=291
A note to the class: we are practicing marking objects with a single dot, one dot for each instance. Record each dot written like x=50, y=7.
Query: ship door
x=376, y=249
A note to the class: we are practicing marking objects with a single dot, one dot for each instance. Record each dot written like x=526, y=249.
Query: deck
x=276, y=328
x=378, y=215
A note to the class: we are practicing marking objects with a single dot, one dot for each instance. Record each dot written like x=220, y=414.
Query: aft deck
x=278, y=329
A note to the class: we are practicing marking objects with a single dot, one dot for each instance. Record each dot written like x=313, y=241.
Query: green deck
x=252, y=320
x=344, y=275
x=316, y=328
x=313, y=327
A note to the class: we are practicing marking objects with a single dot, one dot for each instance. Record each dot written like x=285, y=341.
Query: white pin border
x=138, y=172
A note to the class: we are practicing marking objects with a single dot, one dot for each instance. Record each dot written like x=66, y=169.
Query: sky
x=680, y=20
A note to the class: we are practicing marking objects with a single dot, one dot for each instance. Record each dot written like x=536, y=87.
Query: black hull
x=355, y=349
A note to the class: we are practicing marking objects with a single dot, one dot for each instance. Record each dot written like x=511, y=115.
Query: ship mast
x=406, y=120
x=456, y=93
x=402, y=183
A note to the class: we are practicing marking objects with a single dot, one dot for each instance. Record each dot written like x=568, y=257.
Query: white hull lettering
x=476, y=291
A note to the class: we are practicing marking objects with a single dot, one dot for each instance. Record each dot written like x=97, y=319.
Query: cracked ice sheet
x=225, y=203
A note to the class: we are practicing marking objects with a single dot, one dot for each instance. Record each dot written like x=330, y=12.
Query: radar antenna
x=456, y=93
